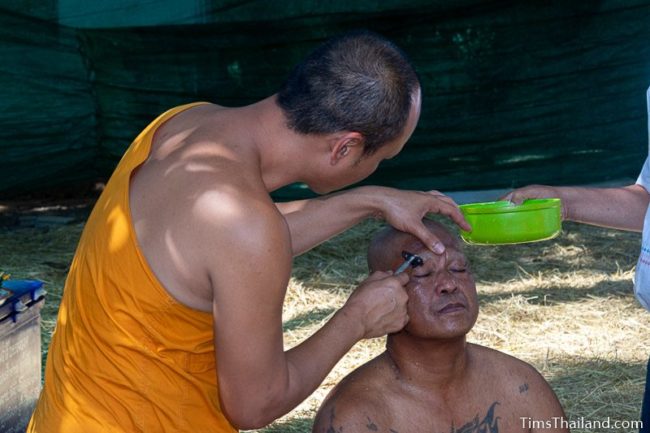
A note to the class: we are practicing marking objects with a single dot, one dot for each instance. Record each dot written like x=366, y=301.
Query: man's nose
x=446, y=283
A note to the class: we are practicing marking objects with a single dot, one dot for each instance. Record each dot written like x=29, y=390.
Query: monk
x=171, y=318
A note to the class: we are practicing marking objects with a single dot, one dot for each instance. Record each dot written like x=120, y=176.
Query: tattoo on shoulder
x=371, y=425
x=331, y=428
x=489, y=424
x=523, y=388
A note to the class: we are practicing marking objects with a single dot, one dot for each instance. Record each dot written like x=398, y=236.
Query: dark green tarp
x=514, y=92
x=47, y=127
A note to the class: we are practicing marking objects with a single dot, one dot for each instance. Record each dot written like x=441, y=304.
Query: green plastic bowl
x=502, y=222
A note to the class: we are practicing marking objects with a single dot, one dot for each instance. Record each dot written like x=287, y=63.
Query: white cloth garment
x=642, y=276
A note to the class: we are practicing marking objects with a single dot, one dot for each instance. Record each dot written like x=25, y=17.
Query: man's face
x=442, y=293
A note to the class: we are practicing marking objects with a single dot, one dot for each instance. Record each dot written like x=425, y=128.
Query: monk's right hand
x=379, y=304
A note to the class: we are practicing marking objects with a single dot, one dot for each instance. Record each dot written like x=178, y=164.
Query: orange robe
x=125, y=356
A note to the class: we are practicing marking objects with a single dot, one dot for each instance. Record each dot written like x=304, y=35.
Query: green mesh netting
x=47, y=109
x=513, y=92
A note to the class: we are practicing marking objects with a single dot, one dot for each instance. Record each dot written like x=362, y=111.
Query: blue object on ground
x=22, y=287
x=25, y=292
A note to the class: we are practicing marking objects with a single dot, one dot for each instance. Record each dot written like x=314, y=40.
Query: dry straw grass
x=565, y=306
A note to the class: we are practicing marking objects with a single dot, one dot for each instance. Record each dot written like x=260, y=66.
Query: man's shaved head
x=381, y=253
x=442, y=293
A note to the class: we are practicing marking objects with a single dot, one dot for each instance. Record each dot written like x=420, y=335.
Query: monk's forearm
x=306, y=366
x=314, y=221
x=311, y=361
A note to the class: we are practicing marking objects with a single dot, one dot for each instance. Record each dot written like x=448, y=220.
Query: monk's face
x=442, y=293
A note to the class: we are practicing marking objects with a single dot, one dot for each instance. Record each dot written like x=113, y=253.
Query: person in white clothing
x=624, y=208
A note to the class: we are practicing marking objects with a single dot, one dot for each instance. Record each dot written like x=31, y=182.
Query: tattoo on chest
x=489, y=424
x=523, y=388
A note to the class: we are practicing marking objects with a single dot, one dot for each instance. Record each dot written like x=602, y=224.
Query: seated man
x=430, y=379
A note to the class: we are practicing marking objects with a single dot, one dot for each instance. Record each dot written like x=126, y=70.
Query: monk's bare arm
x=313, y=221
x=316, y=220
x=249, y=270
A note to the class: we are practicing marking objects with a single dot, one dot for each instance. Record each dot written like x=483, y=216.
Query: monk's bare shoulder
x=197, y=200
x=216, y=183
x=236, y=213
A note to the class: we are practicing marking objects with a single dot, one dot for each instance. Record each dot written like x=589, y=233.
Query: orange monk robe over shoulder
x=125, y=356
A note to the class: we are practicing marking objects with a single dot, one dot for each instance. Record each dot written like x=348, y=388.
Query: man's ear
x=344, y=145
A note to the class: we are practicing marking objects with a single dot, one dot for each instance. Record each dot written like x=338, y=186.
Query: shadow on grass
x=296, y=425
x=579, y=248
x=562, y=294
x=306, y=319
x=597, y=390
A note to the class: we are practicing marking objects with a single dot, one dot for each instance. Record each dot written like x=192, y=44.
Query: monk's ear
x=347, y=146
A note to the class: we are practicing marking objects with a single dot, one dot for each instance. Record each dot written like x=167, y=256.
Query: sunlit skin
x=429, y=378
x=216, y=242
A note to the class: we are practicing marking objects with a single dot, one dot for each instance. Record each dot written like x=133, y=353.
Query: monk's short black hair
x=359, y=81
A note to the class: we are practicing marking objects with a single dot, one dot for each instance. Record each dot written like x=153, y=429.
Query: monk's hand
x=404, y=211
x=379, y=304
x=517, y=196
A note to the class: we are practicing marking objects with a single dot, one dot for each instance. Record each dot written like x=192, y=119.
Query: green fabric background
x=513, y=92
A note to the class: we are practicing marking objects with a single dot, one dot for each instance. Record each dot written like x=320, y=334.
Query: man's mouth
x=451, y=308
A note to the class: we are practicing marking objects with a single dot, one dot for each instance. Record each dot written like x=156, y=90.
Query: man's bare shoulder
x=359, y=401
x=505, y=367
x=516, y=381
